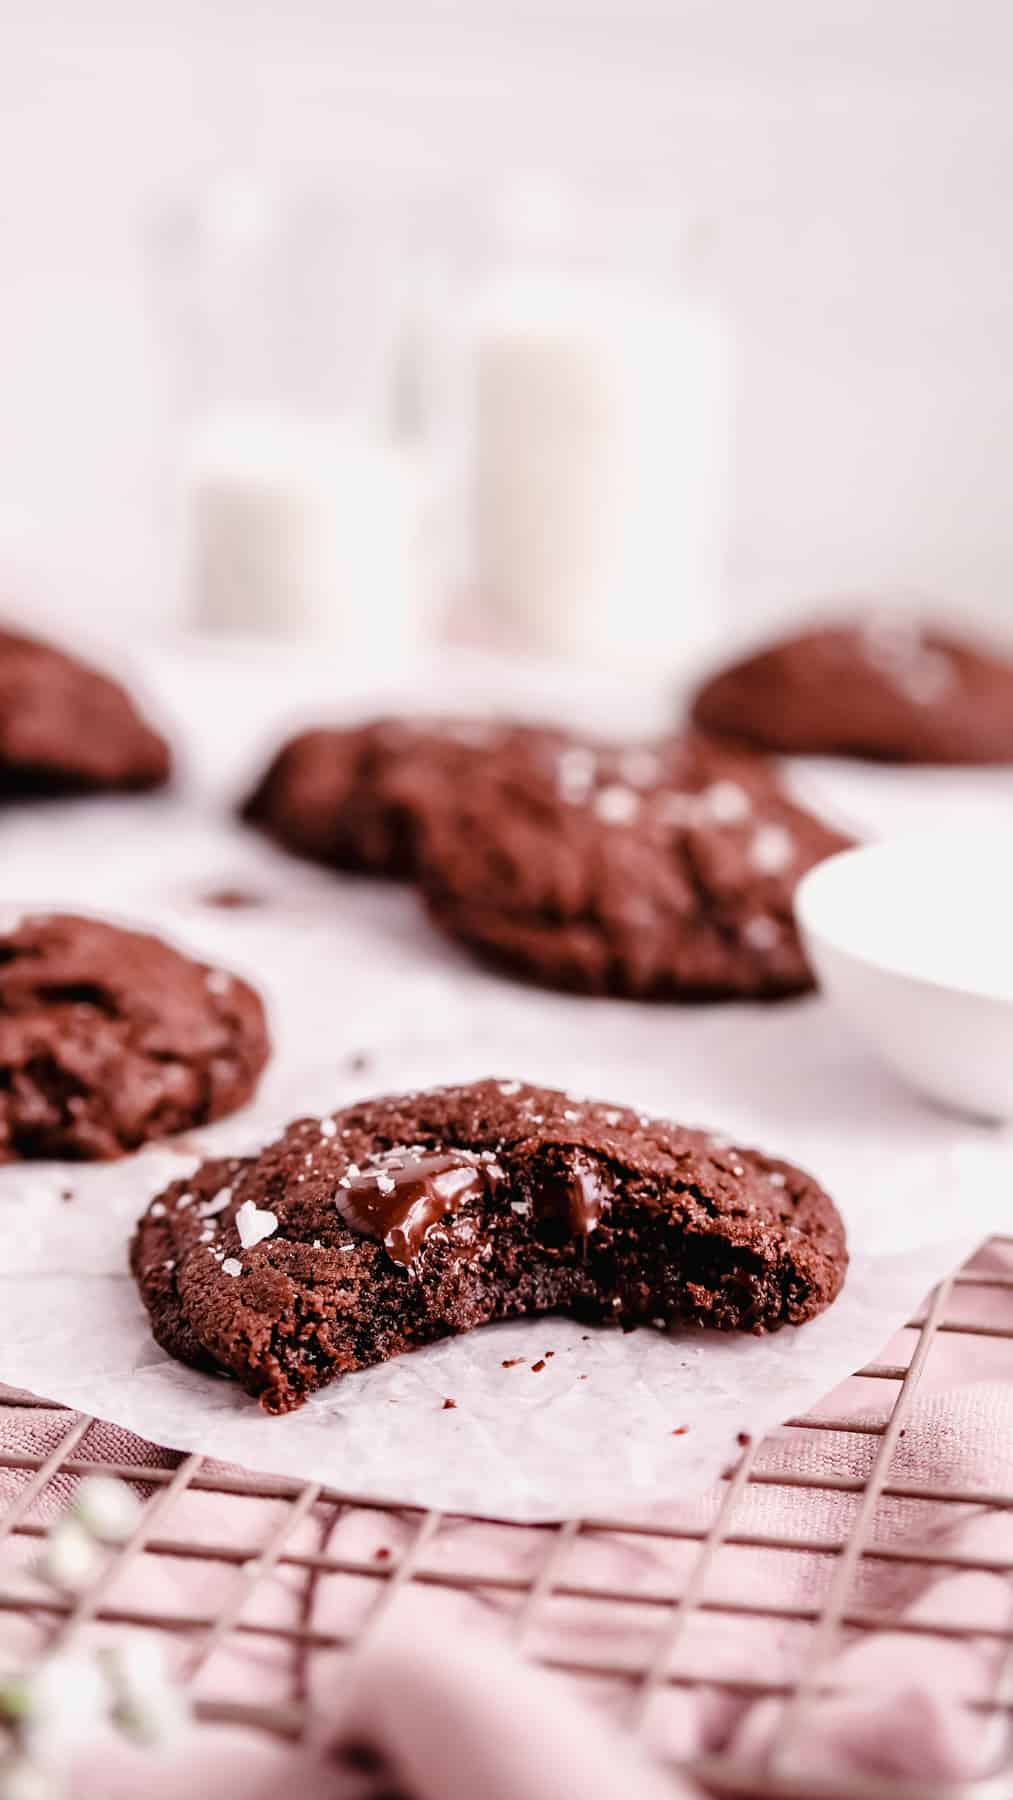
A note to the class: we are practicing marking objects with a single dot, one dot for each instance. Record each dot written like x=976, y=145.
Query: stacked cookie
x=660, y=870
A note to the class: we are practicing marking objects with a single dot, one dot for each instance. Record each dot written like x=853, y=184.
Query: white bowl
x=914, y=941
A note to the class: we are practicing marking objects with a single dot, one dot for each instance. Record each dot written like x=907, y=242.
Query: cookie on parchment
x=66, y=728
x=654, y=871
x=399, y=1221
x=109, y=1038
x=357, y=797
x=883, y=688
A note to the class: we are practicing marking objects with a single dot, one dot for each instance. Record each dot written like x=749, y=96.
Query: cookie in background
x=883, y=687
x=67, y=728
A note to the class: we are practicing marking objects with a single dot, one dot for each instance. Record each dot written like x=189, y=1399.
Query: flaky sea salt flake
x=254, y=1223
x=217, y=1203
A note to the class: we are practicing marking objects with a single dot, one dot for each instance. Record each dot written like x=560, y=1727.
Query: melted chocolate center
x=400, y=1202
x=576, y=1198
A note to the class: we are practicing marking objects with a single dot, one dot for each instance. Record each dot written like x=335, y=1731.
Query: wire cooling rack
x=672, y=1622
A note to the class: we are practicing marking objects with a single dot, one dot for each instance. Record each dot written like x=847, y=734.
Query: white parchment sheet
x=365, y=999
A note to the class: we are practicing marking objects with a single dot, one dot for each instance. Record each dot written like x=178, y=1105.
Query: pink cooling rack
x=639, y=1616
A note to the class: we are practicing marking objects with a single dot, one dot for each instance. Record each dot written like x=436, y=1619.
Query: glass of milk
x=602, y=387
x=306, y=484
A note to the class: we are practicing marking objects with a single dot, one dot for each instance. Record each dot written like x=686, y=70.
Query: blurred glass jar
x=312, y=485
x=602, y=416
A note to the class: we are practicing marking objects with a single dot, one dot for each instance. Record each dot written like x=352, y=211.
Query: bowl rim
x=813, y=928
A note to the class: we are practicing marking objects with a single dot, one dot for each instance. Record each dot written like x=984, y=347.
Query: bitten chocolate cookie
x=110, y=1037
x=880, y=688
x=402, y=1220
x=657, y=872
x=357, y=798
x=64, y=727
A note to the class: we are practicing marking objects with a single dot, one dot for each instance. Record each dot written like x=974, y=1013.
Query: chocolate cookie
x=64, y=727
x=880, y=688
x=109, y=1038
x=402, y=1220
x=657, y=872
x=357, y=798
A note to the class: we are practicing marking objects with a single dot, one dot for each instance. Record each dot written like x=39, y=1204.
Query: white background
x=854, y=155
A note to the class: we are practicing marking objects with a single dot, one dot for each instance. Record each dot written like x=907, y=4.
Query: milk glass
x=307, y=489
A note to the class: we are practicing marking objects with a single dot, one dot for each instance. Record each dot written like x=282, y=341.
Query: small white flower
x=70, y=1559
x=146, y=1704
x=254, y=1223
x=107, y=1508
x=24, y=1780
x=232, y=1267
x=386, y=1184
x=328, y=1129
x=66, y=1702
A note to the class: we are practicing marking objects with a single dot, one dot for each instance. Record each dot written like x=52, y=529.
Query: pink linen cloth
x=439, y=1693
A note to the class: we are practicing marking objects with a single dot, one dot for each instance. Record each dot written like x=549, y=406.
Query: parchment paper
x=365, y=999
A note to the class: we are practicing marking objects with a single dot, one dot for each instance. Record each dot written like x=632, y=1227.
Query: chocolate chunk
x=355, y=1274
x=400, y=1200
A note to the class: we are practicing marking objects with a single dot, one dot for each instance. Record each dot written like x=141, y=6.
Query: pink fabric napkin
x=435, y=1690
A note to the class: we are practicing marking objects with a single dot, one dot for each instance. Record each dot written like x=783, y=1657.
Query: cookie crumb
x=743, y=1440
x=536, y=1368
x=230, y=899
x=680, y=1431
x=358, y=1756
x=511, y=1362
x=449, y=1405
